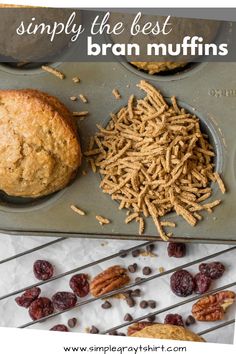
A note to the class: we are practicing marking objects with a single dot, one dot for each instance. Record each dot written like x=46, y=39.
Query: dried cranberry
x=202, y=282
x=80, y=285
x=182, y=283
x=59, y=327
x=43, y=270
x=28, y=297
x=174, y=319
x=176, y=249
x=64, y=300
x=40, y=308
x=212, y=270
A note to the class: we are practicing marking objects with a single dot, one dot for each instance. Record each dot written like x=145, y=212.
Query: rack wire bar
x=117, y=236
x=77, y=269
x=214, y=328
x=168, y=308
x=123, y=289
x=101, y=260
x=31, y=250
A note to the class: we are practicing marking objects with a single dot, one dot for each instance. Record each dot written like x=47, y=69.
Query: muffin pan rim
x=21, y=71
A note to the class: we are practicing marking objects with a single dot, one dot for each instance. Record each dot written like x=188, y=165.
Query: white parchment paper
x=72, y=253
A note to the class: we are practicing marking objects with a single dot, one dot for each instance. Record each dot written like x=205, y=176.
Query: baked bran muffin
x=166, y=331
x=39, y=147
x=154, y=67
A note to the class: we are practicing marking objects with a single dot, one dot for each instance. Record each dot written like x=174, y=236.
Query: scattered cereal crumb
x=105, y=243
x=80, y=114
x=102, y=220
x=77, y=210
x=140, y=220
x=84, y=173
x=53, y=71
x=116, y=94
x=210, y=206
x=168, y=224
x=76, y=79
x=131, y=217
x=147, y=254
x=119, y=296
x=87, y=329
x=22, y=63
x=83, y=98
x=220, y=182
x=169, y=234
x=73, y=98
x=197, y=216
x=93, y=166
x=161, y=270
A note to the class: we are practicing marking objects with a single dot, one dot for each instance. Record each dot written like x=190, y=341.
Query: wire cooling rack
x=148, y=281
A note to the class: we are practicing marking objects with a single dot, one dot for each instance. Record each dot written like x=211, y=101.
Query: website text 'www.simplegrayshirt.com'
x=125, y=349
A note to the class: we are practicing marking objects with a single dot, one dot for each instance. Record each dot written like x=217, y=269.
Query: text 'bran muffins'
x=39, y=148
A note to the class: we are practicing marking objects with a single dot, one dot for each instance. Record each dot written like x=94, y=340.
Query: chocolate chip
x=123, y=253
x=147, y=271
x=113, y=333
x=150, y=248
x=136, y=293
x=190, y=320
x=130, y=301
x=94, y=330
x=135, y=253
x=132, y=268
x=128, y=293
x=143, y=304
x=151, y=318
x=152, y=304
x=138, y=279
x=106, y=305
x=128, y=318
x=72, y=322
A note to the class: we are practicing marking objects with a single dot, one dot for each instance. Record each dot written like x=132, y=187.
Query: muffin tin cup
x=52, y=215
x=176, y=74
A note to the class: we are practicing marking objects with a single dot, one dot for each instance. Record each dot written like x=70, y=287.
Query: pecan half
x=135, y=327
x=212, y=307
x=110, y=279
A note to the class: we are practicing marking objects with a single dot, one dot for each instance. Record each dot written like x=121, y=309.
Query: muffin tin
x=206, y=89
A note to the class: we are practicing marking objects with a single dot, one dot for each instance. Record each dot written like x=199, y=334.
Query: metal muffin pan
x=206, y=90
